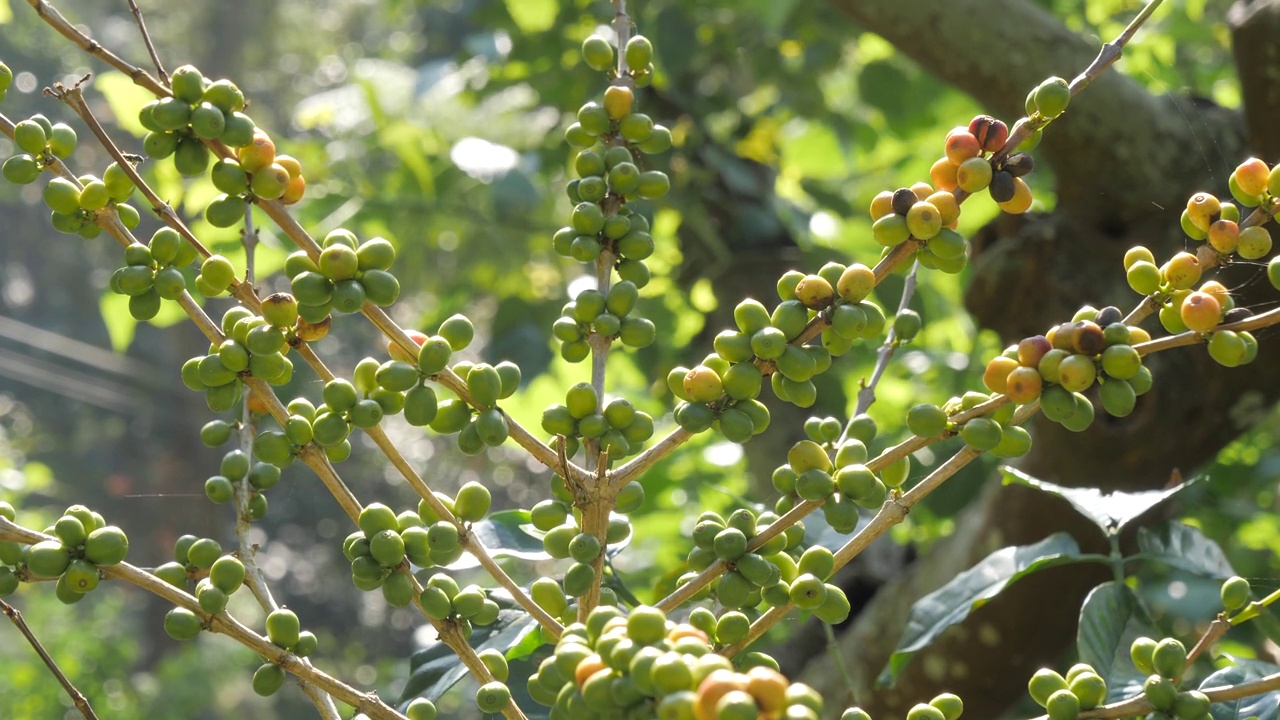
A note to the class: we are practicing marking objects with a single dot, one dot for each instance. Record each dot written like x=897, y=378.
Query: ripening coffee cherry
x=943, y=176
x=1023, y=385
x=259, y=154
x=1020, y=201
x=973, y=175
x=1254, y=242
x=618, y=101
x=1200, y=312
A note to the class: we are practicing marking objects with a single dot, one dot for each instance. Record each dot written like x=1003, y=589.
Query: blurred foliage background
x=439, y=126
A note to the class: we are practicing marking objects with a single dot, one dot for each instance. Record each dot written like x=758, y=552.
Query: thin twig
x=867, y=395
x=833, y=648
x=55, y=20
x=1107, y=55
x=77, y=697
x=146, y=38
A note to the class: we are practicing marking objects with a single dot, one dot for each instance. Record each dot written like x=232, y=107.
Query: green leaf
x=120, y=324
x=508, y=533
x=772, y=14
x=532, y=16
x=435, y=669
x=1109, y=511
x=814, y=153
x=125, y=99
x=1185, y=547
x=1111, y=618
x=1262, y=707
x=972, y=589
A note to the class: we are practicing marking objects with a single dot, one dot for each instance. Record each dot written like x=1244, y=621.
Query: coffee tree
x=585, y=650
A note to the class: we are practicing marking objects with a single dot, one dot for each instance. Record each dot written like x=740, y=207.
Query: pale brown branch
x=224, y=624
x=55, y=20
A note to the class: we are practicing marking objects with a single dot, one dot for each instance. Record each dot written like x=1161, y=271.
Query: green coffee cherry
x=283, y=628
x=182, y=624
x=1169, y=657
x=106, y=546
x=268, y=679
x=1043, y=684
x=1235, y=593
x=492, y=697
x=597, y=53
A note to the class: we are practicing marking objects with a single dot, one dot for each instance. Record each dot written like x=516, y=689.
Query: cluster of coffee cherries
x=1186, y=307
x=825, y=469
x=444, y=601
x=550, y=595
x=967, y=166
x=479, y=423
x=721, y=391
x=992, y=433
x=644, y=665
x=611, y=137
x=236, y=467
x=607, y=315
x=775, y=573
x=1217, y=224
x=1163, y=662
x=378, y=550
x=153, y=272
x=1096, y=347
x=1063, y=697
x=257, y=172
x=199, y=111
x=567, y=540
x=1253, y=184
x=75, y=205
x=84, y=543
x=216, y=576
x=619, y=428
x=284, y=630
x=921, y=213
x=253, y=345
x=348, y=273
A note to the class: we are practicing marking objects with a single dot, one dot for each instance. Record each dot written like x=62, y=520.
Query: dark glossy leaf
x=1185, y=547
x=1263, y=707
x=508, y=533
x=972, y=589
x=435, y=669
x=1107, y=510
x=1111, y=618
